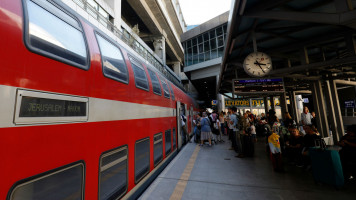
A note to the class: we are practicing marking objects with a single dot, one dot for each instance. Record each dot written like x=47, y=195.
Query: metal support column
x=283, y=104
x=271, y=99
x=265, y=102
x=331, y=112
x=338, y=115
x=320, y=111
x=293, y=102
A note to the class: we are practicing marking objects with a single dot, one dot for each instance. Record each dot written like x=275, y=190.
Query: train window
x=158, y=148
x=52, y=32
x=168, y=141
x=165, y=87
x=142, y=159
x=140, y=74
x=155, y=83
x=174, y=138
x=112, y=60
x=113, y=174
x=172, y=93
x=63, y=183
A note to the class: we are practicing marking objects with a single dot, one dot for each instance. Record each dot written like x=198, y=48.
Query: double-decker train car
x=82, y=116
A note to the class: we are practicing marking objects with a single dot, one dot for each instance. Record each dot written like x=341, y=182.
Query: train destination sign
x=42, y=107
x=248, y=86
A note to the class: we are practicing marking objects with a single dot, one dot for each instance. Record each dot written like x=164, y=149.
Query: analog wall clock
x=257, y=64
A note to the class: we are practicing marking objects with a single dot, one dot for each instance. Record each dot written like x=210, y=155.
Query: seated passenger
x=311, y=135
x=348, y=152
x=309, y=140
x=294, y=147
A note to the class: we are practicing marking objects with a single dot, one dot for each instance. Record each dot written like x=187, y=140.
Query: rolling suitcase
x=277, y=162
x=326, y=166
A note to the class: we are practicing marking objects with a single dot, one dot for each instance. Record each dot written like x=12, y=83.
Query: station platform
x=215, y=173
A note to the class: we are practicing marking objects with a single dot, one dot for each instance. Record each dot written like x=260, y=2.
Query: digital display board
x=249, y=86
x=350, y=104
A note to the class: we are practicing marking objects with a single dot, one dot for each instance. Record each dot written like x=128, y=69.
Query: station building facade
x=203, y=49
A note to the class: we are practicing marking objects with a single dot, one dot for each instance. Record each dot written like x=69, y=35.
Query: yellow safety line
x=182, y=183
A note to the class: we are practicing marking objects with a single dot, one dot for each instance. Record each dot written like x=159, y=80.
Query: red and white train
x=82, y=116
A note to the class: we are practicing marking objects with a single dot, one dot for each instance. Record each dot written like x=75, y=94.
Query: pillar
x=116, y=6
x=283, y=104
x=320, y=111
x=331, y=111
x=265, y=102
x=299, y=106
x=293, y=102
x=159, y=44
x=271, y=99
x=337, y=109
x=176, y=68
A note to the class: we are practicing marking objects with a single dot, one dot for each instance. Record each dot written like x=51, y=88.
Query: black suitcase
x=248, y=145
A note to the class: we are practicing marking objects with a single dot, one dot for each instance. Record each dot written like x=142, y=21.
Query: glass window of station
x=206, y=46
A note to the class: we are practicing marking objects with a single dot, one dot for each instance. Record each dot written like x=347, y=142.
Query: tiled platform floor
x=218, y=175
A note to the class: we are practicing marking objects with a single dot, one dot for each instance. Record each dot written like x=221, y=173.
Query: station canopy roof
x=307, y=40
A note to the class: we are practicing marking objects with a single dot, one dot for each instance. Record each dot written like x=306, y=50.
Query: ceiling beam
x=343, y=82
x=344, y=18
x=322, y=18
x=317, y=65
x=268, y=4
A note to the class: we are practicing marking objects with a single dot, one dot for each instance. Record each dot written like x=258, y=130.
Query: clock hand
x=259, y=64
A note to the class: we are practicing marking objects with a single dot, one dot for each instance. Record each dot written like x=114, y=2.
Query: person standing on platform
x=272, y=118
x=253, y=132
x=222, y=125
x=197, y=128
x=233, y=129
x=263, y=117
x=313, y=120
x=306, y=117
x=205, y=129
x=185, y=136
x=289, y=123
x=243, y=125
x=229, y=126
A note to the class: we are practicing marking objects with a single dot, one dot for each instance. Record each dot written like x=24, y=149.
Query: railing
x=130, y=40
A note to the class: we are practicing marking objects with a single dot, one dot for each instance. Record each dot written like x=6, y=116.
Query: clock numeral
x=248, y=69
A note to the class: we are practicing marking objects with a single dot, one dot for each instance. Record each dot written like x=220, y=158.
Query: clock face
x=257, y=64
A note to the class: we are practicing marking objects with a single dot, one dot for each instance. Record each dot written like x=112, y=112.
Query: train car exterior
x=82, y=116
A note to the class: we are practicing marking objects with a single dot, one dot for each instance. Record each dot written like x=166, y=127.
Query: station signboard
x=254, y=86
x=350, y=104
x=214, y=102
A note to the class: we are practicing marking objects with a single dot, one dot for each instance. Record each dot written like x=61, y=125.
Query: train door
x=179, y=126
x=187, y=117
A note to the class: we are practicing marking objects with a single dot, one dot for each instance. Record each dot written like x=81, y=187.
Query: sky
x=196, y=12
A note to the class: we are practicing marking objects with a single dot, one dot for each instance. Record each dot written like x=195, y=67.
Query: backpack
x=213, y=126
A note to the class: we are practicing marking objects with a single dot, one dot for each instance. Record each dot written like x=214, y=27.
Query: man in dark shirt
x=309, y=140
x=294, y=147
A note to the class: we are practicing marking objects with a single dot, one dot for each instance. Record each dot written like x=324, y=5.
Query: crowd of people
x=294, y=139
